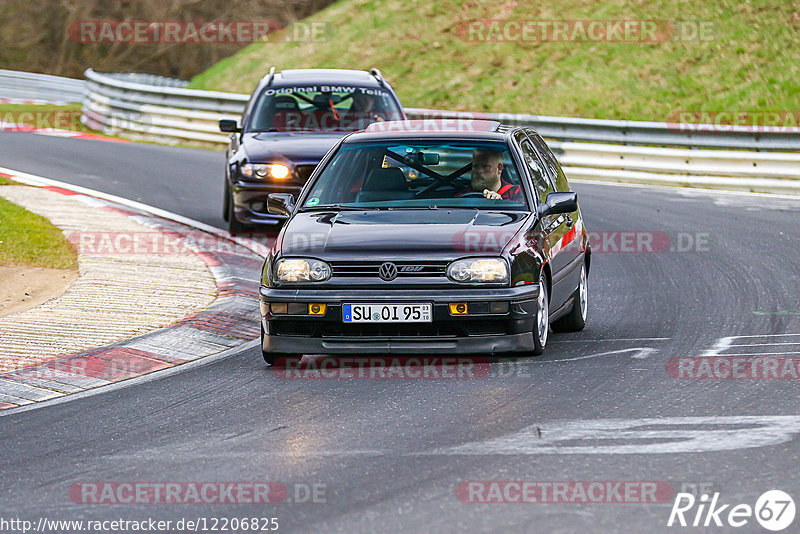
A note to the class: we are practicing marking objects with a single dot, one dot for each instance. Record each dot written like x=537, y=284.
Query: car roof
x=461, y=127
x=295, y=76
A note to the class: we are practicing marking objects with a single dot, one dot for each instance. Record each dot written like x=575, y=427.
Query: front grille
x=405, y=269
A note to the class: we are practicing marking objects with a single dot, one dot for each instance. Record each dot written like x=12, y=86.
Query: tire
x=226, y=203
x=575, y=320
x=541, y=325
x=234, y=226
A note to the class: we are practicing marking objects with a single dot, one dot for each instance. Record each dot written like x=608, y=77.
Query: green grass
x=750, y=63
x=30, y=239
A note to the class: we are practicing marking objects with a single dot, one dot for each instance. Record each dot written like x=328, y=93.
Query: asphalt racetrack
x=710, y=275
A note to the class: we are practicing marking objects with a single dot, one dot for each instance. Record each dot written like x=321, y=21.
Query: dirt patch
x=23, y=288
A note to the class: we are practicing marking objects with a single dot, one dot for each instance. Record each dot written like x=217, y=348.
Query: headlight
x=301, y=270
x=477, y=270
x=279, y=171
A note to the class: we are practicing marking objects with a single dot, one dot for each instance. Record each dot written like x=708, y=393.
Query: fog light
x=278, y=308
x=498, y=307
x=316, y=309
x=458, y=308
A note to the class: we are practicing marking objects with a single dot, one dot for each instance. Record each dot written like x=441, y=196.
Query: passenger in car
x=362, y=113
x=487, y=171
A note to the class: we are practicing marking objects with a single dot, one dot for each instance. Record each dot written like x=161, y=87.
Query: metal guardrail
x=132, y=105
x=639, y=132
x=162, y=109
x=19, y=86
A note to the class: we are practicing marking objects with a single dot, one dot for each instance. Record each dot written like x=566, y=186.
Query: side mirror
x=280, y=204
x=229, y=126
x=558, y=203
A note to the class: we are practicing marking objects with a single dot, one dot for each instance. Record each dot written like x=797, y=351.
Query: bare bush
x=36, y=35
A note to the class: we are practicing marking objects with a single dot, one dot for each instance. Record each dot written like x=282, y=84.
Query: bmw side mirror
x=558, y=203
x=280, y=204
x=229, y=126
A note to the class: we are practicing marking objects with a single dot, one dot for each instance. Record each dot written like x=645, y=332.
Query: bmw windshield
x=419, y=175
x=322, y=108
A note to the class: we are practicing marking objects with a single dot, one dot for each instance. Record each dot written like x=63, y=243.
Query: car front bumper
x=474, y=333
x=250, y=202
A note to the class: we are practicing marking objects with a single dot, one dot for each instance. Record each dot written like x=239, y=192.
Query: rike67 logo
x=774, y=510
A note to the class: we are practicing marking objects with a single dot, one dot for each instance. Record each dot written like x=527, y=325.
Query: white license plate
x=387, y=313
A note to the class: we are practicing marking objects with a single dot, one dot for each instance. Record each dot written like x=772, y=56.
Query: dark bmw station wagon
x=416, y=236
x=292, y=119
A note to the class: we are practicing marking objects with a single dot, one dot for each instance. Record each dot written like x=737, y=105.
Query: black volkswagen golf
x=432, y=235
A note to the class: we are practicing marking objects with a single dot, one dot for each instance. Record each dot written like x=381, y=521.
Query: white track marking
x=612, y=339
x=763, y=344
x=721, y=345
x=668, y=435
x=728, y=343
x=752, y=354
x=640, y=354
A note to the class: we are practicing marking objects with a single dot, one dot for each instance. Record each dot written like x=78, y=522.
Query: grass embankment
x=746, y=59
x=28, y=239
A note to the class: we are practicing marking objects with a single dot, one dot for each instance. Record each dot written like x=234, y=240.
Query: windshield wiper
x=431, y=207
x=327, y=207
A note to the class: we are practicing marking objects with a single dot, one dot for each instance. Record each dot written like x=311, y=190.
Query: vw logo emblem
x=388, y=271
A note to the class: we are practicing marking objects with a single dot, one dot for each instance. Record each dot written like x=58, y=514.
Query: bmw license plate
x=387, y=313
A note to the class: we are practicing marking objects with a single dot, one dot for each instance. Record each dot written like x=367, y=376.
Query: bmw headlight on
x=278, y=171
x=478, y=270
x=302, y=270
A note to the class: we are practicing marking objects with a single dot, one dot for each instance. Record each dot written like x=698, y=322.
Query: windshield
x=422, y=175
x=322, y=108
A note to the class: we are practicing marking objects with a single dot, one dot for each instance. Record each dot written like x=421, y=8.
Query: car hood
x=374, y=235
x=295, y=147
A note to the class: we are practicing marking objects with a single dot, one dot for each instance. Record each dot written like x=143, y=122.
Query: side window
x=541, y=181
x=552, y=162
